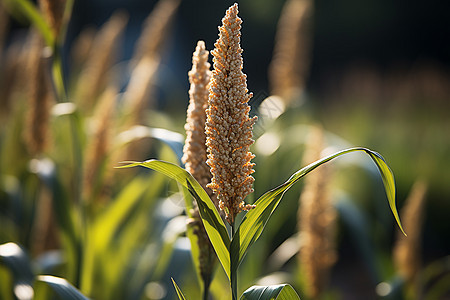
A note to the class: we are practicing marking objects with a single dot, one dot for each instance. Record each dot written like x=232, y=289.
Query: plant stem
x=233, y=274
x=205, y=293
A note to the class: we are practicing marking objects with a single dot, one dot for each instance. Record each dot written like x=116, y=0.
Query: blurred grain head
x=316, y=221
x=53, y=11
x=99, y=148
x=82, y=47
x=155, y=29
x=40, y=99
x=102, y=55
x=288, y=70
x=138, y=97
x=407, y=249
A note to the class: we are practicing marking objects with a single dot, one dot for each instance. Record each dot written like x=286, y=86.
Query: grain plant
x=103, y=233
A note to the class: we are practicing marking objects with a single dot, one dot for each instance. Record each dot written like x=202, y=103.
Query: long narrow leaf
x=109, y=222
x=179, y=292
x=270, y=292
x=14, y=258
x=59, y=286
x=173, y=139
x=29, y=9
x=255, y=220
x=213, y=223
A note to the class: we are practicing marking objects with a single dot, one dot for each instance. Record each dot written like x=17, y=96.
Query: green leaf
x=212, y=221
x=109, y=222
x=281, y=292
x=179, y=292
x=255, y=220
x=65, y=212
x=14, y=258
x=61, y=287
x=30, y=10
x=173, y=139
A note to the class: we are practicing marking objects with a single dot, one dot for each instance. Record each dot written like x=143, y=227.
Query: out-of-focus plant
x=61, y=200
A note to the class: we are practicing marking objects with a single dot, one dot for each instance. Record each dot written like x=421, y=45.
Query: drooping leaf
x=253, y=224
x=14, y=258
x=179, y=292
x=173, y=139
x=212, y=221
x=61, y=287
x=270, y=292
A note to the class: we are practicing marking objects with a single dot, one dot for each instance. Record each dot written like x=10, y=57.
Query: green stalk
x=205, y=293
x=233, y=271
x=60, y=88
x=58, y=74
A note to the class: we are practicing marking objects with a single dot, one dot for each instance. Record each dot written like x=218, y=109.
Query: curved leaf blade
x=280, y=291
x=179, y=292
x=212, y=221
x=173, y=139
x=29, y=9
x=255, y=220
x=59, y=286
x=14, y=258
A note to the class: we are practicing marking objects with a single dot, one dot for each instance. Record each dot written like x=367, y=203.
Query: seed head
x=407, y=254
x=228, y=125
x=317, y=219
x=195, y=147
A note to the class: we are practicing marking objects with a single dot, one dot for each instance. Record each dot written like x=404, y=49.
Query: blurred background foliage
x=372, y=73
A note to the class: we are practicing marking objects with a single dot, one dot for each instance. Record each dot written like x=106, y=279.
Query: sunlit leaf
x=212, y=221
x=117, y=230
x=112, y=218
x=14, y=258
x=270, y=292
x=173, y=139
x=61, y=287
x=179, y=292
x=255, y=220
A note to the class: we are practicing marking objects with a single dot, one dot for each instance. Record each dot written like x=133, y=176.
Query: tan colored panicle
x=228, y=125
x=40, y=99
x=53, y=11
x=155, y=29
x=94, y=76
x=138, y=94
x=195, y=146
x=99, y=145
x=407, y=249
x=146, y=59
x=81, y=48
x=290, y=63
x=317, y=218
x=195, y=156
